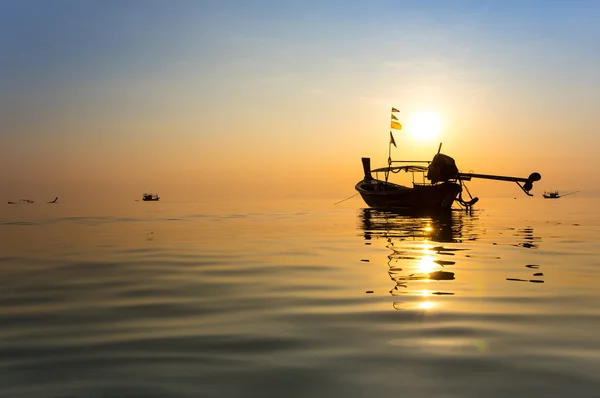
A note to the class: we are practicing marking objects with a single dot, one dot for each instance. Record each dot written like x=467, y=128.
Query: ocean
x=299, y=299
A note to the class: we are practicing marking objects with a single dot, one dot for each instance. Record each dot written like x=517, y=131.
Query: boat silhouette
x=556, y=194
x=21, y=201
x=150, y=197
x=445, y=183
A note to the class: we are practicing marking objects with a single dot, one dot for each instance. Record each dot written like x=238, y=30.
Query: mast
x=387, y=173
x=394, y=124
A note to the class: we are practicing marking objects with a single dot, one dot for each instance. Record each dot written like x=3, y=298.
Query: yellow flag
x=396, y=125
x=394, y=117
x=395, y=110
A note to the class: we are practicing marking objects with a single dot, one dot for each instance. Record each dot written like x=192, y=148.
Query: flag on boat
x=392, y=140
x=394, y=117
x=396, y=125
x=395, y=110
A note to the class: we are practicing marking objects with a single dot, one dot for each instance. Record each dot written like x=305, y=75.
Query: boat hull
x=150, y=197
x=377, y=193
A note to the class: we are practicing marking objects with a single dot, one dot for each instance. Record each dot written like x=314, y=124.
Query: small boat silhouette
x=26, y=201
x=150, y=197
x=556, y=194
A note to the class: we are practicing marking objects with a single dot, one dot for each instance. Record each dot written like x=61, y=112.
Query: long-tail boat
x=444, y=184
x=556, y=194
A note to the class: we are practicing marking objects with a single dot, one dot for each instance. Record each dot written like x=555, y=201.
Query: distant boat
x=445, y=185
x=551, y=195
x=150, y=197
x=27, y=201
x=556, y=194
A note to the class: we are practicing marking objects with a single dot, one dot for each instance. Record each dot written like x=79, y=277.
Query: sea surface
x=299, y=299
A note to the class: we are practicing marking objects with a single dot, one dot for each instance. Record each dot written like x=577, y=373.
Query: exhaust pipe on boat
x=366, y=162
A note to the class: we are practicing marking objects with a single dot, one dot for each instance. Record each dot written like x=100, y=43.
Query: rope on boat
x=345, y=199
x=570, y=193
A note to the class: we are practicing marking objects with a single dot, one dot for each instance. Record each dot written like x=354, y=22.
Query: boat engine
x=442, y=168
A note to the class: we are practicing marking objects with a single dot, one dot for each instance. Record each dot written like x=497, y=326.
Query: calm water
x=299, y=299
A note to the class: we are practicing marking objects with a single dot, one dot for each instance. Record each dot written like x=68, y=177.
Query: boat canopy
x=396, y=169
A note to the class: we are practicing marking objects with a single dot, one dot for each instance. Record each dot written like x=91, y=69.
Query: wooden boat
x=445, y=185
x=383, y=193
x=150, y=197
x=551, y=195
x=556, y=194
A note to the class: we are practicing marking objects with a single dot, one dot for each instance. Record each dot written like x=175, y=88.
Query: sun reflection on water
x=425, y=250
x=427, y=264
x=419, y=264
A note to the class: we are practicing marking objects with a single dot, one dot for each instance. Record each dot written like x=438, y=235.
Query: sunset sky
x=219, y=99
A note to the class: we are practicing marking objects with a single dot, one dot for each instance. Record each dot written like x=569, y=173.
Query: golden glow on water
x=182, y=281
x=427, y=264
x=424, y=126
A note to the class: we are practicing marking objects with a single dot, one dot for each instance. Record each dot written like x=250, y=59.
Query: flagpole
x=394, y=125
x=387, y=173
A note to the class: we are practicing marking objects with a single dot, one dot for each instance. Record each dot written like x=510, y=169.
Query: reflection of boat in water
x=417, y=242
x=556, y=194
x=445, y=185
x=150, y=197
x=402, y=224
x=432, y=257
x=424, y=248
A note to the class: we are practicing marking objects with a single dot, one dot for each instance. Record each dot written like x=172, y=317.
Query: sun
x=424, y=126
